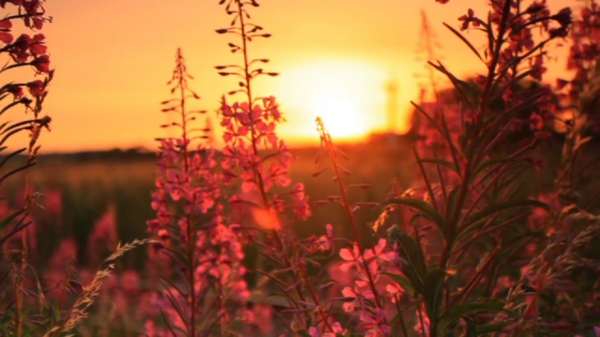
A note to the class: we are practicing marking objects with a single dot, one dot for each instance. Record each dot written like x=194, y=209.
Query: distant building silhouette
x=392, y=106
x=390, y=136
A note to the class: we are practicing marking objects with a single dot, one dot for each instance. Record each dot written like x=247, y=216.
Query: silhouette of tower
x=392, y=106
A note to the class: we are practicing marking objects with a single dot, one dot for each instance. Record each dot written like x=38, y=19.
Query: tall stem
x=328, y=143
x=250, y=100
x=258, y=175
x=190, y=233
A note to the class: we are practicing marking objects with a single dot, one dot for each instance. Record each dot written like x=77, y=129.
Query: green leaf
x=425, y=209
x=274, y=300
x=501, y=207
x=396, y=324
x=450, y=319
x=459, y=311
x=279, y=301
x=434, y=285
x=453, y=203
x=464, y=39
x=471, y=328
x=493, y=162
x=416, y=269
x=485, y=329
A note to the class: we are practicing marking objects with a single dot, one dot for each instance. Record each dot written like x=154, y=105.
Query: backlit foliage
x=496, y=235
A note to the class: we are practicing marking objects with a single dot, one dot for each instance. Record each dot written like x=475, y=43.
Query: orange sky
x=113, y=57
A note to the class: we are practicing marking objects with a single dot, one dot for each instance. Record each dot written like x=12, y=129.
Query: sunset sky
x=113, y=58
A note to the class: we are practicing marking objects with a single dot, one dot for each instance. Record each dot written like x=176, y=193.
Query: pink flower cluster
x=363, y=295
x=60, y=267
x=321, y=244
x=104, y=236
x=586, y=44
x=26, y=49
x=254, y=154
x=178, y=183
x=521, y=26
x=189, y=222
x=32, y=11
x=583, y=56
x=336, y=330
x=221, y=262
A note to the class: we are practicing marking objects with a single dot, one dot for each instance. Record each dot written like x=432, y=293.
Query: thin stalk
x=495, y=56
x=328, y=143
x=401, y=318
x=190, y=233
x=426, y=179
x=259, y=177
x=248, y=85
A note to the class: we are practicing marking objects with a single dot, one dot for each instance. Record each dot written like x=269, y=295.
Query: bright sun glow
x=348, y=96
x=342, y=108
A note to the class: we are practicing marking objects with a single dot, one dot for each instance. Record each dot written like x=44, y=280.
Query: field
x=87, y=184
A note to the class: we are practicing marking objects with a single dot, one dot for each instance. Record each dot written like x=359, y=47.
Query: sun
x=343, y=112
x=347, y=95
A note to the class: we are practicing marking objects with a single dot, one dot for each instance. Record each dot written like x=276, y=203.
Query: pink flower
x=130, y=282
x=34, y=10
x=468, y=19
x=301, y=202
x=57, y=277
x=364, y=295
x=350, y=256
x=104, y=236
x=37, y=88
x=332, y=329
x=536, y=122
x=350, y=296
x=379, y=252
x=394, y=291
x=248, y=134
x=163, y=234
x=261, y=316
x=150, y=330
x=19, y=50
x=189, y=216
x=375, y=324
x=53, y=202
x=37, y=45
